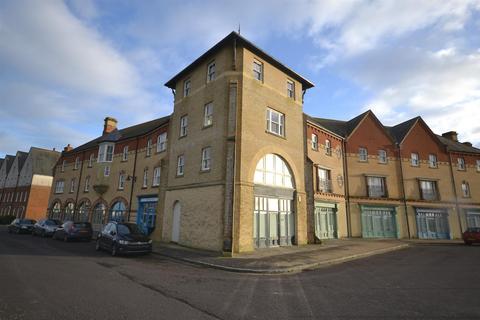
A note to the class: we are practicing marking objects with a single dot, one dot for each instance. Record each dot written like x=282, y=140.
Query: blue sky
x=65, y=65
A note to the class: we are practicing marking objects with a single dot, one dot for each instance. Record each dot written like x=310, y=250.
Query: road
x=47, y=279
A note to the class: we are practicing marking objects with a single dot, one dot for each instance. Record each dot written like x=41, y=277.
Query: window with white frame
x=314, y=141
x=77, y=163
x=183, y=126
x=156, y=177
x=106, y=171
x=324, y=181
x=376, y=187
x=275, y=122
x=432, y=161
x=257, y=70
x=461, y=164
x=428, y=190
x=145, y=178
x=206, y=158
x=414, y=159
x=72, y=185
x=105, y=152
x=187, y=86
x=328, y=147
x=290, y=89
x=211, y=71
x=149, y=147
x=478, y=165
x=180, y=165
x=87, y=184
x=63, y=166
x=362, y=154
x=272, y=170
x=121, y=181
x=125, y=153
x=162, y=142
x=382, y=156
x=90, y=160
x=208, y=114
x=465, y=189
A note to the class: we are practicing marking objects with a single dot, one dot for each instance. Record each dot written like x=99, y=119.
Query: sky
x=66, y=65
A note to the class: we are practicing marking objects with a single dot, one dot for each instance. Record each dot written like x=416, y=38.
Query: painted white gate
x=176, y=222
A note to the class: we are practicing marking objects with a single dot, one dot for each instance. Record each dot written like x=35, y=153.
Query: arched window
x=118, y=211
x=82, y=213
x=273, y=171
x=56, y=211
x=69, y=210
x=99, y=214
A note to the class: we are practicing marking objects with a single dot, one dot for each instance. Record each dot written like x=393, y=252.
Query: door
x=378, y=222
x=473, y=219
x=325, y=222
x=146, y=215
x=176, y=222
x=432, y=224
x=98, y=218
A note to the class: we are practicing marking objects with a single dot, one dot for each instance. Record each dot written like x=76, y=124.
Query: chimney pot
x=68, y=148
x=451, y=135
x=109, y=124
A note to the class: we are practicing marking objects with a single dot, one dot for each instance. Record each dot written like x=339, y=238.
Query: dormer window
x=105, y=152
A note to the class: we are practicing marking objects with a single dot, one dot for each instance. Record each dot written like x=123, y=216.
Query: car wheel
x=65, y=238
x=114, y=250
x=97, y=245
x=9, y=230
x=468, y=243
x=18, y=231
x=43, y=234
x=33, y=233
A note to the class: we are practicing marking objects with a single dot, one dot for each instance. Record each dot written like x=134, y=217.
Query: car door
x=104, y=242
x=111, y=235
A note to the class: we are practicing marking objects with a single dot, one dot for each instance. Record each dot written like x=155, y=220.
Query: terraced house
x=244, y=168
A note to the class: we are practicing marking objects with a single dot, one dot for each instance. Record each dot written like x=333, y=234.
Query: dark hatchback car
x=46, y=227
x=21, y=226
x=74, y=231
x=123, y=238
x=471, y=235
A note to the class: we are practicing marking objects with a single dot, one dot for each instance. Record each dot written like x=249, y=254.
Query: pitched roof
x=22, y=156
x=43, y=161
x=306, y=84
x=8, y=162
x=457, y=146
x=400, y=130
x=123, y=134
x=342, y=128
x=1, y=161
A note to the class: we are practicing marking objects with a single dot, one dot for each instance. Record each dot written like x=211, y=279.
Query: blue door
x=432, y=224
x=147, y=213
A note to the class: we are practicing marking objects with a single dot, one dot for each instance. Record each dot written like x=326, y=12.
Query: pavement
x=286, y=259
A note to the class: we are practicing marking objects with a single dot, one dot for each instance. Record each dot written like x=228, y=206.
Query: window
x=328, y=147
x=465, y=189
x=275, y=122
x=187, y=85
x=125, y=153
x=105, y=152
x=362, y=154
x=156, y=177
x=428, y=190
x=77, y=163
x=121, y=181
x=90, y=160
x=461, y=163
x=314, y=141
x=211, y=71
x=432, y=161
x=106, y=171
x=478, y=165
x=149, y=147
x=273, y=171
x=72, y=185
x=382, y=156
x=376, y=187
x=290, y=89
x=258, y=70
x=183, y=126
x=180, y=165
x=414, y=159
x=208, y=115
x=162, y=142
x=145, y=178
x=324, y=183
x=63, y=165
x=87, y=184
x=206, y=158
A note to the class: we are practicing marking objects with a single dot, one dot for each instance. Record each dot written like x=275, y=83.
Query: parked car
x=74, y=231
x=46, y=227
x=21, y=226
x=123, y=238
x=471, y=235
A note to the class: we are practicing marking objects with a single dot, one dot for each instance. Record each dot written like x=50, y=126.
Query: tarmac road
x=41, y=278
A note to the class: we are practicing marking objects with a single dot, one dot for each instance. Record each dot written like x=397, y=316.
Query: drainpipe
x=78, y=186
x=457, y=208
x=402, y=180
x=134, y=179
x=346, y=190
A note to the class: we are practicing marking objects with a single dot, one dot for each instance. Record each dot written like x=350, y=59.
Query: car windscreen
x=27, y=221
x=473, y=230
x=128, y=229
x=82, y=225
x=53, y=223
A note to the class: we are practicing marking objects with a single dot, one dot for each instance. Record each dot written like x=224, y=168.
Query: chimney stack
x=67, y=148
x=109, y=124
x=469, y=144
x=451, y=135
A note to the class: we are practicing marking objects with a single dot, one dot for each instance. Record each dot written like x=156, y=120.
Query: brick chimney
x=109, y=124
x=451, y=135
x=468, y=144
x=67, y=148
